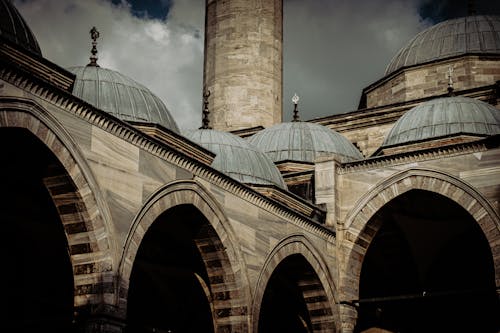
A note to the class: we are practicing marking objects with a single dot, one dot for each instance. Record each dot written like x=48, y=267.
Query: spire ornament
x=450, y=80
x=205, y=120
x=94, y=34
x=295, y=100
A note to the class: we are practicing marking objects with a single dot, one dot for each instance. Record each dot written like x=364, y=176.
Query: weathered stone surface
x=243, y=63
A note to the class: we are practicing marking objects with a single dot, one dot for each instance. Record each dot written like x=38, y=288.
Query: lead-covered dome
x=303, y=142
x=120, y=96
x=443, y=117
x=238, y=159
x=472, y=34
x=14, y=28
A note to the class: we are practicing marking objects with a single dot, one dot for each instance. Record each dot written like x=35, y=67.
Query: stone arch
x=219, y=250
x=323, y=313
x=75, y=194
x=359, y=232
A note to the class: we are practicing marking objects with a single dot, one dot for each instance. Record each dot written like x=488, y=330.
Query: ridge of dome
x=479, y=34
x=13, y=27
x=237, y=158
x=304, y=142
x=442, y=117
x=120, y=96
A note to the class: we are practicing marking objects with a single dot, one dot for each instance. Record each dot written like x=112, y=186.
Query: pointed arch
x=76, y=196
x=228, y=283
x=362, y=225
x=317, y=289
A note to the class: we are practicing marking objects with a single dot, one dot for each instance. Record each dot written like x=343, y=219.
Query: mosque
x=383, y=219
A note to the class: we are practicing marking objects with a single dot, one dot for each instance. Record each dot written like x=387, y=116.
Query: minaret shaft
x=244, y=62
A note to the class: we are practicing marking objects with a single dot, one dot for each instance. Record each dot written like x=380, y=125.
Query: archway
x=168, y=289
x=284, y=307
x=295, y=291
x=429, y=268
x=226, y=288
x=40, y=287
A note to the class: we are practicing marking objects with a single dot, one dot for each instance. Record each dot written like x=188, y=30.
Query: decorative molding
x=170, y=138
x=109, y=123
x=247, y=132
x=418, y=172
x=420, y=155
x=37, y=66
x=297, y=203
x=387, y=114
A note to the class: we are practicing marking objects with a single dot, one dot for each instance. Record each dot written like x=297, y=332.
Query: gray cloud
x=167, y=57
x=332, y=49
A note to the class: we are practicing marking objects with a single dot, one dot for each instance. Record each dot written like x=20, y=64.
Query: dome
x=238, y=159
x=120, y=96
x=14, y=28
x=472, y=34
x=304, y=142
x=444, y=117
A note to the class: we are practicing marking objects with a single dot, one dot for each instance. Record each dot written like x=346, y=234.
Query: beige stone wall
x=130, y=177
x=243, y=63
x=470, y=177
x=369, y=139
x=431, y=80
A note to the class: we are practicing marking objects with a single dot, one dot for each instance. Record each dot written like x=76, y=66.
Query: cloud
x=165, y=56
x=332, y=49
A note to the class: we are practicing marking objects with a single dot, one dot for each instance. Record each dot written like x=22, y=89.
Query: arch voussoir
x=74, y=192
x=361, y=226
x=226, y=286
x=314, y=286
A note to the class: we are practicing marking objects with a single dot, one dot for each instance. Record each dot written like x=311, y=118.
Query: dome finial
x=94, y=34
x=205, y=119
x=450, y=80
x=295, y=100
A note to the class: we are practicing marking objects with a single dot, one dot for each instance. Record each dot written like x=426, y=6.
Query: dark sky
x=332, y=48
x=435, y=10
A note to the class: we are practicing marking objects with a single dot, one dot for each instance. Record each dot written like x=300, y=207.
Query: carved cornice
x=36, y=66
x=288, y=166
x=421, y=155
x=162, y=149
x=246, y=132
x=296, y=203
x=405, y=69
x=388, y=114
x=175, y=140
x=298, y=177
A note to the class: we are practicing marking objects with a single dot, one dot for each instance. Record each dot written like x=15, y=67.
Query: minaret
x=244, y=62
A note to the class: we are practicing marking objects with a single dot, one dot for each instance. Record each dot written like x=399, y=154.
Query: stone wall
x=432, y=80
x=354, y=193
x=369, y=139
x=134, y=181
x=243, y=63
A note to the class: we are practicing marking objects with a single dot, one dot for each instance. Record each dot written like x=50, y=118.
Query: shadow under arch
x=362, y=223
x=315, y=284
x=226, y=281
x=75, y=195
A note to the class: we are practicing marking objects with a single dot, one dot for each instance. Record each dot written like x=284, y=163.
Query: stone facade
x=432, y=79
x=260, y=256
x=243, y=63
